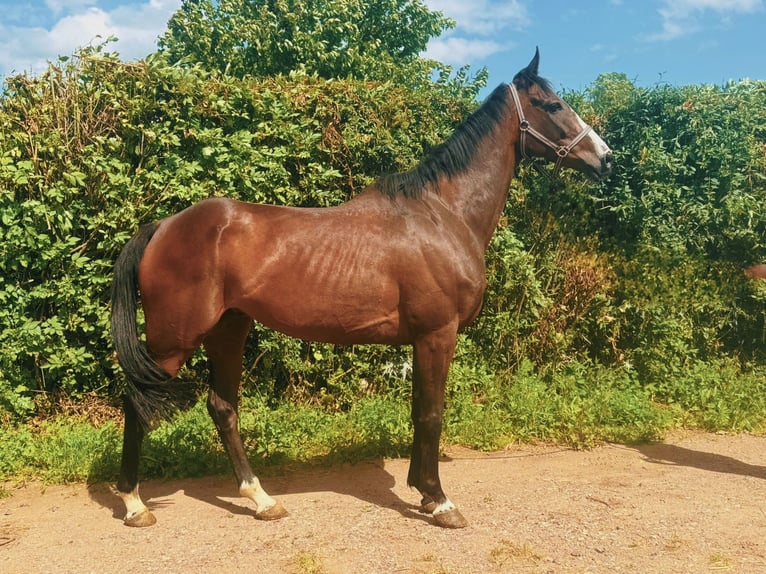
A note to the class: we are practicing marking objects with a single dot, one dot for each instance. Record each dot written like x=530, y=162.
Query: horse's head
x=550, y=128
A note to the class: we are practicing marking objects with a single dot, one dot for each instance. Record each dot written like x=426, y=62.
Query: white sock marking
x=255, y=492
x=445, y=506
x=133, y=503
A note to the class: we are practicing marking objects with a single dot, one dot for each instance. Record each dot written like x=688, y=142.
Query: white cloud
x=483, y=17
x=73, y=31
x=679, y=17
x=686, y=6
x=479, y=24
x=138, y=29
x=79, y=23
x=460, y=51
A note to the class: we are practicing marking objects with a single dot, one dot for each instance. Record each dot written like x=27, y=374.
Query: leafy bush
x=578, y=404
x=690, y=167
x=644, y=270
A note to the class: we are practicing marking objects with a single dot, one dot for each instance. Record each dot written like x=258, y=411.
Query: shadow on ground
x=675, y=455
x=368, y=481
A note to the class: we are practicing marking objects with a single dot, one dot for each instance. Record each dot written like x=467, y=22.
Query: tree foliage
x=377, y=40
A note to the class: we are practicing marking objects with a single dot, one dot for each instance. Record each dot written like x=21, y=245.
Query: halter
x=561, y=150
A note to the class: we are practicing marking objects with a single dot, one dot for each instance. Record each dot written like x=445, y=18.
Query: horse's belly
x=332, y=317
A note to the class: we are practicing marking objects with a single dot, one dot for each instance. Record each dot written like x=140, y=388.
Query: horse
x=757, y=271
x=401, y=263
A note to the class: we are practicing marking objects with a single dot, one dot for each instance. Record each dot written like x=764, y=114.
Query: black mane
x=453, y=155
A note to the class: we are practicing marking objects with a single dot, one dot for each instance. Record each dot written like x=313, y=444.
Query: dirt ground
x=694, y=503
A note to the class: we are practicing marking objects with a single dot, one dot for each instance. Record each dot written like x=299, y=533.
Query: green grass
x=67, y=449
x=308, y=562
x=577, y=405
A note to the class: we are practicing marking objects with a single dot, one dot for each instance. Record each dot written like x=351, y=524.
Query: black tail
x=155, y=395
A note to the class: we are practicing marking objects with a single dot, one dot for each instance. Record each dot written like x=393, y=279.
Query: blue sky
x=651, y=41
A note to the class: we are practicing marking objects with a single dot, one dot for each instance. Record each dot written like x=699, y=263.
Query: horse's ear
x=535, y=63
x=526, y=76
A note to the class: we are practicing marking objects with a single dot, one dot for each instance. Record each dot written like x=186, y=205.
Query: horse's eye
x=548, y=106
x=554, y=107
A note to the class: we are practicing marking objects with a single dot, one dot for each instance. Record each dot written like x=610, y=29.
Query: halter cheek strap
x=561, y=150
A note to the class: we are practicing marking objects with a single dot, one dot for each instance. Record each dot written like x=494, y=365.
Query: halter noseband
x=561, y=150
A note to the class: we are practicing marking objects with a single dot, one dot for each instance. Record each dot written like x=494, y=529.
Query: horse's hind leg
x=127, y=485
x=225, y=346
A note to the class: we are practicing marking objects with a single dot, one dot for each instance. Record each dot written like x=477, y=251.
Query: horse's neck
x=478, y=195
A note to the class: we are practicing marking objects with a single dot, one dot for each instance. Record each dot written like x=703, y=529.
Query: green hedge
x=642, y=273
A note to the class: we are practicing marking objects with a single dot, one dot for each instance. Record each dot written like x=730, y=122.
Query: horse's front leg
x=432, y=356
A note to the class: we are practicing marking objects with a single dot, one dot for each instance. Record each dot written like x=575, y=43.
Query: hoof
x=274, y=513
x=450, y=519
x=141, y=519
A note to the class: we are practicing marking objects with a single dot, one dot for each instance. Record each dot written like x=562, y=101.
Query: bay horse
x=401, y=263
x=757, y=271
